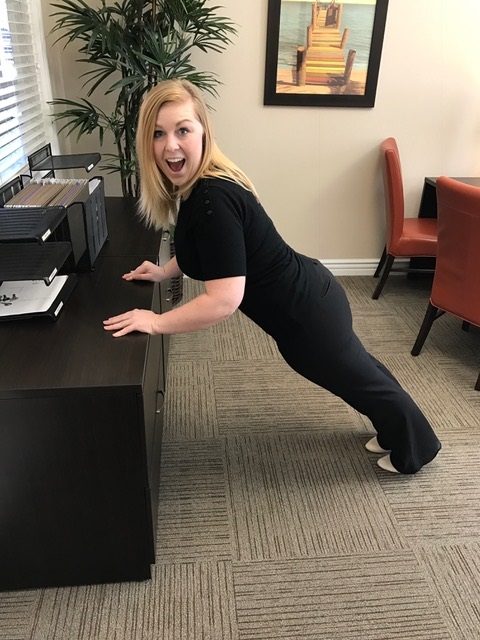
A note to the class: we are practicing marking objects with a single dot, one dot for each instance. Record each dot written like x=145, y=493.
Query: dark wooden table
x=428, y=209
x=428, y=202
x=80, y=427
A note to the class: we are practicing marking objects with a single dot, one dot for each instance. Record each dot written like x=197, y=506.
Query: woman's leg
x=328, y=352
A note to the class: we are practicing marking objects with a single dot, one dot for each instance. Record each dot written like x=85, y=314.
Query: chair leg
x=388, y=265
x=466, y=327
x=430, y=316
x=381, y=263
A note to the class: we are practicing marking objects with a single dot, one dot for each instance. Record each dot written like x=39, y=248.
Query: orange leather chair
x=405, y=237
x=456, y=283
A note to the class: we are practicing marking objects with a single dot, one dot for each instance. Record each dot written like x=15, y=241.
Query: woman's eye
x=157, y=134
x=182, y=131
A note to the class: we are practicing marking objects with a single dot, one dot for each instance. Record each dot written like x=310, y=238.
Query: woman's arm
x=152, y=272
x=221, y=298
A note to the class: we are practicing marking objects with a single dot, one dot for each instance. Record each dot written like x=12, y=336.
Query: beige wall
x=317, y=168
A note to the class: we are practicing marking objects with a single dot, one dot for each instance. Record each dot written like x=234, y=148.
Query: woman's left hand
x=134, y=320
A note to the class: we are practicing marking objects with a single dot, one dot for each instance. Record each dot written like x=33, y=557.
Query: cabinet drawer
x=71, y=491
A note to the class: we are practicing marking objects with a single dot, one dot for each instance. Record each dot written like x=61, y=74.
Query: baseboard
x=355, y=267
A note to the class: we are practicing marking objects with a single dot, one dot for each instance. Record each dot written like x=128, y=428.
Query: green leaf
x=130, y=45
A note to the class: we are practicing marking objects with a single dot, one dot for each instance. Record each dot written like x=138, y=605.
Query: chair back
x=393, y=188
x=456, y=283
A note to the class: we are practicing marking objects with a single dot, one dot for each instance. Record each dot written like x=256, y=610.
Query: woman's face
x=178, y=141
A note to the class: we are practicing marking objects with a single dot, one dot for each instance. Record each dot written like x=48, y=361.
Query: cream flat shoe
x=373, y=446
x=386, y=464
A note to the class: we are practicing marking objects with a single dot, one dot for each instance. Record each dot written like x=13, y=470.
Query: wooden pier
x=323, y=60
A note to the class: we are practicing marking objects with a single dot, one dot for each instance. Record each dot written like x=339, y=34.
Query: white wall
x=316, y=168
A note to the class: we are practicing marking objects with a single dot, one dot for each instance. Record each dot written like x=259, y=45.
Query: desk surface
x=127, y=233
x=474, y=181
x=75, y=350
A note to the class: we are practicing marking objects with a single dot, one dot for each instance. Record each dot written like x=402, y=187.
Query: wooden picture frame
x=324, y=54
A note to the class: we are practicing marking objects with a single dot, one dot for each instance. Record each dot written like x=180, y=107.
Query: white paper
x=29, y=296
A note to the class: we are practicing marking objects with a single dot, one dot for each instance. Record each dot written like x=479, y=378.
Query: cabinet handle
x=158, y=410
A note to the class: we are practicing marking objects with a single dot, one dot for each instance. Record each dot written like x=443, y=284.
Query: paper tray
x=29, y=224
x=28, y=261
x=20, y=300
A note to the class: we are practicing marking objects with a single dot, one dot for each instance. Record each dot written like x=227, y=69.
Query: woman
x=224, y=238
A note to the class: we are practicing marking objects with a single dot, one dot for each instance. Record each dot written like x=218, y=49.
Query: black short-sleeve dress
x=223, y=231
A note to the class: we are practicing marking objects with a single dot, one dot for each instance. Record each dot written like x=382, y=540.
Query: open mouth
x=176, y=165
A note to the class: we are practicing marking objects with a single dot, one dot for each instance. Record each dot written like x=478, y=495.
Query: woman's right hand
x=146, y=271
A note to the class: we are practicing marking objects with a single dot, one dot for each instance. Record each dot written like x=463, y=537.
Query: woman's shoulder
x=221, y=184
x=210, y=190
x=226, y=190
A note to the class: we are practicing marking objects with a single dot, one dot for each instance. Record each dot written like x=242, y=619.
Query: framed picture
x=324, y=54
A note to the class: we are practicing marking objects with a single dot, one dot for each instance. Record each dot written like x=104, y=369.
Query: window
x=24, y=125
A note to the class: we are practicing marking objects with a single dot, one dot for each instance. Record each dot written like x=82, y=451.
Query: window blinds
x=22, y=106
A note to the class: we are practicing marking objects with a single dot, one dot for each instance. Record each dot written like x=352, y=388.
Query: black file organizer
x=27, y=255
x=10, y=189
x=86, y=222
x=95, y=220
x=25, y=261
x=37, y=243
x=85, y=226
x=43, y=160
x=29, y=224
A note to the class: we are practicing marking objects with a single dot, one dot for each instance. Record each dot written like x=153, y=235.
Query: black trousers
x=326, y=350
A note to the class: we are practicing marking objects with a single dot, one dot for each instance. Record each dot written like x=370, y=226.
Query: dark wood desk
x=428, y=209
x=428, y=202
x=80, y=427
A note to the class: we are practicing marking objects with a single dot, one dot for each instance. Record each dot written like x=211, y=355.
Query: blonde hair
x=158, y=196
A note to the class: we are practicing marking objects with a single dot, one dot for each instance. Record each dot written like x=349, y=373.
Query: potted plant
x=131, y=45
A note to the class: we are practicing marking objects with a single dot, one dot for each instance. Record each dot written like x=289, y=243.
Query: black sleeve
x=218, y=231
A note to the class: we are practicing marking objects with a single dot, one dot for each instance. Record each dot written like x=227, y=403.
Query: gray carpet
x=275, y=522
